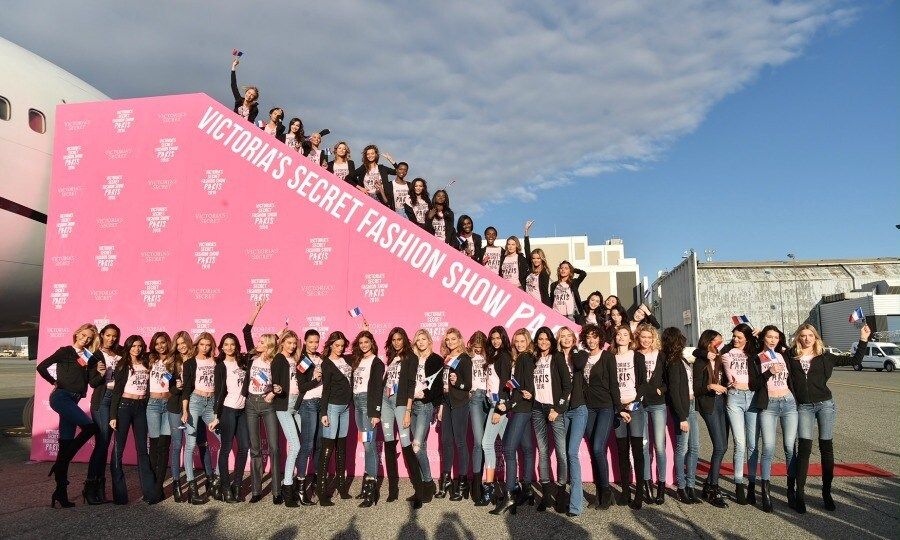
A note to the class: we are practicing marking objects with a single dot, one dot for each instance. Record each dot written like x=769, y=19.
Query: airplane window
x=4, y=108
x=37, y=121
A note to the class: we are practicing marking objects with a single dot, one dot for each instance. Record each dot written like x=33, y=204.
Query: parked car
x=835, y=351
x=880, y=356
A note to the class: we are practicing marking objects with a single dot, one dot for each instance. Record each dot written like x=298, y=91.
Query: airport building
x=697, y=295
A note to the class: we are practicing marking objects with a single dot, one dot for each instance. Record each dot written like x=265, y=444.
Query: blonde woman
x=513, y=265
x=69, y=386
x=648, y=344
x=810, y=368
x=183, y=351
x=537, y=281
x=286, y=405
x=420, y=407
x=198, y=407
x=260, y=392
x=454, y=416
x=342, y=165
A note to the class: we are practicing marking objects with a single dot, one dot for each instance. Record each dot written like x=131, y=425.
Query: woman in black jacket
x=810, y=368
x=593, y=309
x=309, y=382
x=368, y=380
x=631, y=369
x=337, y=392
x=615, y=318
x=342, y=165
x=197, y=410
x=680, y=396
x=601, y=395
x=439, y=219
x=552, y=389
x=642, y=315
x=453, y=414
x=498, y=366
x=419, y=202
x=537, y=280
x=576, y=421
x=244, y=104
x=286, y=405
x=69, y=386
x=295, y=136
x=129, y=409
x=275, y=126
x=654, y=404
x=313, y=152
x=399, y=387
x=518, y=395
x=513, y=264
x=469, y=242
x=710, y=387
x=420, y=406
x=371, y=177
x=101, y=369
x=229, y=375
x=564, y=295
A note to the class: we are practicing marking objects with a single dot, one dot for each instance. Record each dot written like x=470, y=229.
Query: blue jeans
x=489, y=440
x=782, y=409
x=518, y=434
x=478, y=416
x=289, y=426
x=65, y=404
x=338, y=422
x=454, y=438
x=97, y=464
x=821, y=412
x=599, y=425
x=364, y=425
x=577, y=420
x=157, y=418
x=687, y=451
x=541, y=423
x=132, y=414
x=200, y=414
x=177, y=429
x=392, y=416
x=658, y=414
x=421, y=425
x=637, y=427
x=717, y=425
x=743, y=419
x=310, y=435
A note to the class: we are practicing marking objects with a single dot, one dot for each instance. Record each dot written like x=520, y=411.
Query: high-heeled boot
x=444, y=485
x=826, y=449
x=804, y=449
x=391, y=470
x=415, y=476
x=322, y=472
x=340, y=462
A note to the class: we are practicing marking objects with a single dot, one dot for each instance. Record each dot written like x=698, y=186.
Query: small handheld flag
x=304, y=364
x=83, y=357
x=261, y=378
x=450, y=184
x=235, y=52
x=430, y=379
x=366, y=436
x=453, y=364
x=740, y=319
x=392, y=389
x=355, y=312
x=633, y=406
x=856, y=316
x=512, y=384
x=495, y=397
x=167, y=376
x=647, y=294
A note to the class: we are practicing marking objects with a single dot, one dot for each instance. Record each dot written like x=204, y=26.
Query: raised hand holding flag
x=740, y=319
x=857, y=316
x=236, y=53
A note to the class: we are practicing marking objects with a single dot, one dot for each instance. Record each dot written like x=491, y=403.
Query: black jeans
x=132, y=414
x=454, y=434
x=233, y=425
x=257, y=409
x=717, y=424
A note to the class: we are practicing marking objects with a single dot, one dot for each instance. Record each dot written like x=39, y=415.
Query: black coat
x=575, y=283
x=239, y=99
x=523, y=371
x=678, y=396
x=458, y=392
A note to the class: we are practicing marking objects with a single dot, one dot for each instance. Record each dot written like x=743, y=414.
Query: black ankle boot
x=444, y=485
x=605, y=497
x=740, y=494
x=562, y=499
x=625, y=496
x=546, y=497
x=287, y=495
x=455, y=494
x=509, y=504
x=705, y=493
x=683, y=497
x=487, y=495
x=765, y=496
x=715, y=497
x=660, y=493
x=751, y=492
x=647, y=495
x=90, y=492
x=302, y=495
x=176, y=490
x=692, y=495
x=228, y=493
x=638, y=501
x=61, y=496
x=368, y=492
x=194, y=493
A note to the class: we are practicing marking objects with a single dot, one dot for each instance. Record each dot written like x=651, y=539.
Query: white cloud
x=509, y=100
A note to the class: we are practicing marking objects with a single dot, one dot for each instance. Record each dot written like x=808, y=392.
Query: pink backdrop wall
x=172, y=213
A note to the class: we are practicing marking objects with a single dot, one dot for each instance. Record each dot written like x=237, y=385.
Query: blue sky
x=752, y=127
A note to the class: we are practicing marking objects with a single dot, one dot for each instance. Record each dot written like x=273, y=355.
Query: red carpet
x=815, y=469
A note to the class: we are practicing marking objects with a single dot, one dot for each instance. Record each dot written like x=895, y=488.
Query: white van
x=880, y=356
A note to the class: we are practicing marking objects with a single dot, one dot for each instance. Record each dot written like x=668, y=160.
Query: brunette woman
x=593, y=309
x=428, y=394
x=439, y=219
x=603, y=400
x=309, y=381
x=564, y=291
x=710, y=387
x=342, y=165
x=518, y=395
x=368, y=380
x=491, y=254
x=274, y=126
x=129, y=410
x=197, y=407
x=632, y=375
x=741, y=364
x=498, y=370
x=230, y=409
x=576, y=421
x=453, y=414
x=260, y=392
x=615, y=318
x=513, y=265
x=552, y=387
x=244, y=104
x=337, y=392
x=419, y=202
x=70, y=384
x=478, y=408
x=642, y=315
x=775, y=400
x=161, y=374
x=810, y=368
x=680, y=395
x=184, y=350
x=295, y=137
x=400, y=187
x=101, y=373
x=648, y=344
x=469, y=242
x=399, y=387
x=371, y=177
x=537, y=282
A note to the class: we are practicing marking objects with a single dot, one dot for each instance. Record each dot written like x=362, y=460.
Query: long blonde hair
x=445, y=351
x=94, y=344
x=818, y=346
x=540, y=252
x=284, y=337
x=644, y=327
x=267, y=346
x=529, y=346
x=559, y=333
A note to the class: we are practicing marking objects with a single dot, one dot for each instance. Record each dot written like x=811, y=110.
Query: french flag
x=512, y=384
x=304, y=364
x=261, y=378
x=740, y=319
x=453, y=364
x=355, y=312
x=167, y=376
x=392, y=389
x=83, y=357
x=495, y=398
x=235, y=52
x=366, y=436
x=857, y=315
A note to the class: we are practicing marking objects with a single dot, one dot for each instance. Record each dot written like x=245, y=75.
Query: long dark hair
x=154, y=356
x=750, y=348
x=782, y=340
x=357, y=352
x=446, y=198
x=715, y=368
x=459, y=222
x=142, y=357
x=491, y=354
x=414, y=198
x=333, y=338
x=599, y=311
x=116, y=346
x=365, y=163
x=389, y=351
x=673, y=344
x=301, y=135
x=544, y=330
x=240, y=358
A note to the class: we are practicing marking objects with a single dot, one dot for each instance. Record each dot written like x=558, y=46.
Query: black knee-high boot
x=392, y=471
x=826, y=449
x=637, y=450
x=60, y=471
x=153, y=456
x=415, y=475
x=804, y=449
x=624, y=471
x=340, y=463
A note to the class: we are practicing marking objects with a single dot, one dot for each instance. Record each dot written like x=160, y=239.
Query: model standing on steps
x=654, y=404
x=69, y=386
x=129, y=410
x=368, y=387
x=810, y=368
x=478, y=409
x=101, y=381
x=260, y=392
x=741, y=366
x=428, y=394
x=286, y=405
x=682, y=403
x=576, y=421
x=337, y=392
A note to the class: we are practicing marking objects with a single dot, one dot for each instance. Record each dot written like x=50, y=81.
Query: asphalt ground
x=868, y=431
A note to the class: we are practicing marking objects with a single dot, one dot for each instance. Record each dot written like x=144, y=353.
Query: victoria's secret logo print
x=118, y=153
x=77, y=125
x=65, y=224
x=260, y=289
x=203, y=325
x=152, y=293
x=73, y=157
x=374, y=287
x=123, y=120
x=59, y=295
x=318, y=250
x=206, y=254
x=113, y=187
x=106, y=257
x=171, y=118
x=166, y=149
x=158, y=219
x=213, y=181
x=265, y=215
